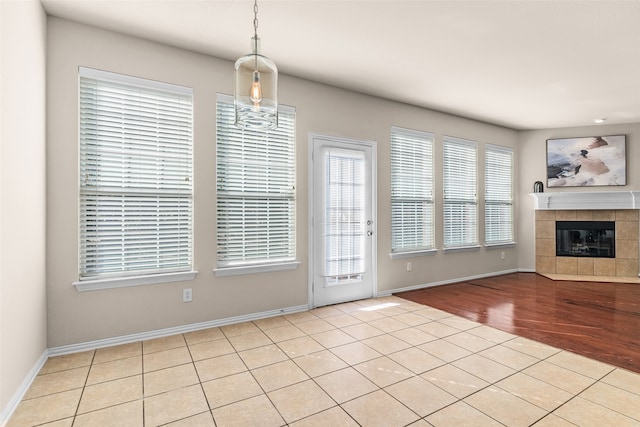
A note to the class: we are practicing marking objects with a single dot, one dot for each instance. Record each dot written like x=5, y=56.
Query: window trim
x=123, y=282
x=139, y=277
x=501, y=245
x=511, y=152
x=454, y=249
x=429, y=138
x=466, y=246
x=257, y=268
x=235, y=268
x=413, y=254
x=114, y=77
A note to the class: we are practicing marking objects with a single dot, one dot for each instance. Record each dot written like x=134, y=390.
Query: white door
x=343, y=221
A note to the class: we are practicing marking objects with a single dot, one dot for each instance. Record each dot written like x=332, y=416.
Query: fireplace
x=621, y=207
x=586, y=239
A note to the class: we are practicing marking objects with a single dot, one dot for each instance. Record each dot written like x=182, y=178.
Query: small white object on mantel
x=556, y=201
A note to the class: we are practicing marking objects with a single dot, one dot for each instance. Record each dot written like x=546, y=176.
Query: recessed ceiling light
x=599, y=120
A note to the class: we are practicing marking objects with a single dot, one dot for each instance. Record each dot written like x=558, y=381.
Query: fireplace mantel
x=556, y=201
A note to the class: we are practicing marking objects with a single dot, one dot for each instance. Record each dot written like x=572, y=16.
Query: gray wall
x=23, y=338
x=532, y=148
x=81, y=317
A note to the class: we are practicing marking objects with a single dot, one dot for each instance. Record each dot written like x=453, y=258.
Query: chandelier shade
x=256, y=87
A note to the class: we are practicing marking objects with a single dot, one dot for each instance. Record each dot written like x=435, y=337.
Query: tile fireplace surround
x=623, y=207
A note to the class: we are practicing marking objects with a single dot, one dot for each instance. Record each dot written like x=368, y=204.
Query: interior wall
x=76, y=317
x=532, y=149
x=22, y=194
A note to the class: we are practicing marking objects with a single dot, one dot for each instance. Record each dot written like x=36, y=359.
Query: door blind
x=344, y=216
x=255, y=190
x=135, y=176
x=411, y=190
x=460, y=192
x=498, y=194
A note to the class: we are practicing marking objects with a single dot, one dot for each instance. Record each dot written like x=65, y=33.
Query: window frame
x=251, y=191
x=412, y=150
x=458, y=193
x=504, y=185
x=105, y=173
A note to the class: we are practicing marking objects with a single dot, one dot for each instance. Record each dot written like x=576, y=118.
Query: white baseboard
x=19, y=394
x=446, y=282
x=126, y=339
x=159, y=333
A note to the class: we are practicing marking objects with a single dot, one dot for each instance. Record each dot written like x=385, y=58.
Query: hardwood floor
x=595, y=319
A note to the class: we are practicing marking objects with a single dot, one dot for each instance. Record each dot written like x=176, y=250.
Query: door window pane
x=344, y=216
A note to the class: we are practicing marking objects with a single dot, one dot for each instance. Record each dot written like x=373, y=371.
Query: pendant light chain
x=255, y=19
x=255, y=32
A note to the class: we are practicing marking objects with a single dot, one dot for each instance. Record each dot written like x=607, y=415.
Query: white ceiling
x=524, y=64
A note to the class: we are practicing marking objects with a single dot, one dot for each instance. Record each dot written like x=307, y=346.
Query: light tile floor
x=379, y=362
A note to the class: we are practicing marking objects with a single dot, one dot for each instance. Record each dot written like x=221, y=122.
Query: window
x=255, y=191
x=136, y=192
x=345, y=214
x=411, y=190
x=498, y=201
x=460, y=193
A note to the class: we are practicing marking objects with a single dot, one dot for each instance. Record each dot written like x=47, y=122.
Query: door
x=343, y=221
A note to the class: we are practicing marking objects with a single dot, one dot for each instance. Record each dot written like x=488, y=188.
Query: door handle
x=369, y=233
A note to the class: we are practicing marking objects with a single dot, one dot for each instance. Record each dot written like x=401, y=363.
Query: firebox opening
x=586, y=239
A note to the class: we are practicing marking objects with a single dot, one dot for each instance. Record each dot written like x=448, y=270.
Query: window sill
x=461, y=249
x=123, y=282
x=258, y=268
x=411, y=254
x=500, y=245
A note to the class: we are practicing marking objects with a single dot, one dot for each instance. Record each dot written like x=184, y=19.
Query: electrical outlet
x=187, y=295
x=502, y=255
x=409, y=266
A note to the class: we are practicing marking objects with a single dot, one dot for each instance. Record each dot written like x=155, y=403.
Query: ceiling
x=524, y=64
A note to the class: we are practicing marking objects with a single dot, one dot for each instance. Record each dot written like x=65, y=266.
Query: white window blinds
x=498, y=169
x=135, y=176
x=345, y=215
x=460, y=192
x=255, y=190
x=412, y=221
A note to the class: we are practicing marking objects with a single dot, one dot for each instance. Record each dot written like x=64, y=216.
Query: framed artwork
x=587, y=161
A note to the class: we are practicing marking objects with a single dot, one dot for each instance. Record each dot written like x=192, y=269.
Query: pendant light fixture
x=256, y=84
